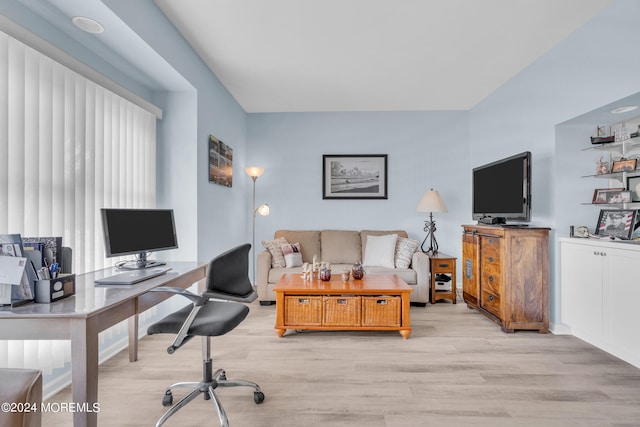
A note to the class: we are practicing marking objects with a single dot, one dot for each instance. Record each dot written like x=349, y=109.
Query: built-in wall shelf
x=618, y=146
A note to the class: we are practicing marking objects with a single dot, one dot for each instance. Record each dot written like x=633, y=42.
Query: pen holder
x=50, y=290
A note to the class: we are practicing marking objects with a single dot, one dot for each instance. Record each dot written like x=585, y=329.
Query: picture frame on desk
x=617, y=223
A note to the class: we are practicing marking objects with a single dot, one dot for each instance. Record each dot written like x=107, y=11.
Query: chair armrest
x=196, y=299
x=198, y=302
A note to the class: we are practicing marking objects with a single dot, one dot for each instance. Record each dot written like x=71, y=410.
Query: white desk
x=90, y=311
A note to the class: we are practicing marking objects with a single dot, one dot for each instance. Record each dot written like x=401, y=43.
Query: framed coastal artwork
x=354, y=176
x=220, y=162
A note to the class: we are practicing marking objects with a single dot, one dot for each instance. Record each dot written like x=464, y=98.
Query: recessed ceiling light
x=87, y=24
x=626, y=109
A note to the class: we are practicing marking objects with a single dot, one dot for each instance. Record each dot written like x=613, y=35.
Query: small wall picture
x=624, y=165
x=611, y=195
x=220, y=162
x=616, y=223
x=354, y=176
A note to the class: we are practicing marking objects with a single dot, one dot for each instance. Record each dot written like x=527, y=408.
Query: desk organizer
x=50, y=290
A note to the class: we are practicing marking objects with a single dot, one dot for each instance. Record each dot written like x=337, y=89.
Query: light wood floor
x=456, y=369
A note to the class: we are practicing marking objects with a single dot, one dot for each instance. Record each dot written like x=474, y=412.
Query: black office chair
x=215, y=312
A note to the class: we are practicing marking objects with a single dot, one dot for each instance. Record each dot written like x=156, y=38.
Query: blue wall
x=425, y=149
x=594, y=66
x=221, y=211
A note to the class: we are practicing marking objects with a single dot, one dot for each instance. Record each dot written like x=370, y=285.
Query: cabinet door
x=470, y=268
x=581, y=290
x=621, y=294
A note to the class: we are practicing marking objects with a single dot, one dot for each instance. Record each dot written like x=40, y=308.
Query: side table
x=442, y=264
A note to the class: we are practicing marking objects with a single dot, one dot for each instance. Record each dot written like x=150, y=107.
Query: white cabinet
x=600, y=291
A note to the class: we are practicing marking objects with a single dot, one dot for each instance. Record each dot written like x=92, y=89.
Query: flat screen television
x=139, y=232
x=502, y=190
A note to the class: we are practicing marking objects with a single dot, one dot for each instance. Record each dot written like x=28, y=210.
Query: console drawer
x=491, y=282
x=303, y=310
x=381, y=311
x=341, y=311
x=491, y=303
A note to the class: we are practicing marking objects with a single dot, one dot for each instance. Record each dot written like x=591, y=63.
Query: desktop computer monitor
x=139, y=232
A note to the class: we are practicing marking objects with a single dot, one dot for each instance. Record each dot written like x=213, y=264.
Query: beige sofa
x=341, y=248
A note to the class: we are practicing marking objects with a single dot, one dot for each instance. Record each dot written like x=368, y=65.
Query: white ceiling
x=371, y=55
x=339, y=55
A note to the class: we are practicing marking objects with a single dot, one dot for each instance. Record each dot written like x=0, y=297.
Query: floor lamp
x=431, y=202
x=254, y=172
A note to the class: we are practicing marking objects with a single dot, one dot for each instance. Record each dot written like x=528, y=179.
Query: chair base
x=210, y=381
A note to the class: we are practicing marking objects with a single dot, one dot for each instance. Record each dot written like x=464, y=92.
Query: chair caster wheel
x=258, y=397
x=167, y=399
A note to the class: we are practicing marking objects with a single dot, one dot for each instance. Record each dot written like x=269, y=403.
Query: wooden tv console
x=377, y=302
x=505, y=275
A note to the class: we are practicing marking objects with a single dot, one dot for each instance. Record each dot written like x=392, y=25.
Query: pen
x=54, y=270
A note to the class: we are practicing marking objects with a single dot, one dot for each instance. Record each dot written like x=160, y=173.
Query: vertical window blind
x=68, y=147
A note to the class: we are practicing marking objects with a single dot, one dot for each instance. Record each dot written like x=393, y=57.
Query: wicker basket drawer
x=381, y=311
x=303, y=310
x=341, y=311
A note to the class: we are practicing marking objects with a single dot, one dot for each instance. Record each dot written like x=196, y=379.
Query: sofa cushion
x=292, y=256
x=275, y=249
x=309, y=242
x=380, y=251
x=276, y=273
x=341, y=246
x=408, y=275
x=405, y=248
x=365, y=233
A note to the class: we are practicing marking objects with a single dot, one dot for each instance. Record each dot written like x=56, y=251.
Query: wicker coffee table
x=378, y=302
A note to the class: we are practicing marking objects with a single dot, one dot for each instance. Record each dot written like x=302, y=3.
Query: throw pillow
x=405, y=248
x=292, y=254
x=380, y=251
x=273, y=246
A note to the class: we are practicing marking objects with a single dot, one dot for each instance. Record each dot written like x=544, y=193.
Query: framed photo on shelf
x=616, y=223
x=624, y=165
x=354, y=176
x=633, y=185
x=603, y=195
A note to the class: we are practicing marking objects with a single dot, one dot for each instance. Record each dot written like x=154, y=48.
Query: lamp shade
x=431, y=202
x=254, y=171
x=263, y=210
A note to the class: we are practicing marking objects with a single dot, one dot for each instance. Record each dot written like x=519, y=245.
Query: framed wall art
x=354, y=176
x=616, y=223
x=220, y=162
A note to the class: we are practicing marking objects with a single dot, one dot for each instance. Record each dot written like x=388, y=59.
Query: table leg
x=406, y=316
x=84, y=371
x=280, y=330
x=133, y=338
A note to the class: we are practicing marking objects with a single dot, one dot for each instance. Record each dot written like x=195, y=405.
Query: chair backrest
x=228, y=275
